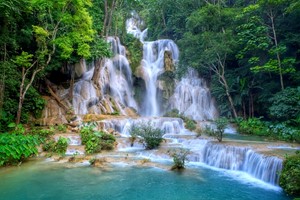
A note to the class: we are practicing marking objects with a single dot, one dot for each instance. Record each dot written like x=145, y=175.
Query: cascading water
x=233, y=158
x=116, y=85
x=192, y=98
x=152, y=63
x=262, y=167
x=153, y=66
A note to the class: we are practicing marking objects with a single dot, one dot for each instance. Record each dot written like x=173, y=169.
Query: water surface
x=59, y=181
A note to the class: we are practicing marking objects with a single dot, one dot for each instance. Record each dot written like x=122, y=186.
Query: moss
x=134, y=49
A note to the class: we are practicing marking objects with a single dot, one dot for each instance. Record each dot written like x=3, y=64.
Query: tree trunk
x=276, y=45
x=105, y=17
x=110, y=17
x=21, y=98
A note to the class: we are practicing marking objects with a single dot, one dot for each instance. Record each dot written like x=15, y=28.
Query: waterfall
x=262, y=167
x=222, y=156
x=153, y=66
x=192, y=98
x=115, y=81
x=152, y=63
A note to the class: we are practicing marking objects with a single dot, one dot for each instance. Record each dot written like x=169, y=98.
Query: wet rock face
x=52, y=114
x=168, y=62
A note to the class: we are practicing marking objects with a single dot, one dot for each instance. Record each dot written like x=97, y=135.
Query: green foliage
x=59, y=147
x=95, y=141
x=284, y=132
x=15, y=148
x=290, y=175
x=179, y=158
x=62, y=128
x=150, y=137
x=189, y=123
x=49, y=146
x=218, y=131
x=285, y=104
x=135, y=48
x=253, y=126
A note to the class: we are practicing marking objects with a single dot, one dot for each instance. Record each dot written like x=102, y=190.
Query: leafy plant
x=61, y=145
x=285, y=104
x=253, y=126
x=218, y=132
x=95, y=141
x=15, y=148
x=179, y=158
x=290, y=175
x=150, y=137
x=189, y=123
x=49, y=145
x=62, y=128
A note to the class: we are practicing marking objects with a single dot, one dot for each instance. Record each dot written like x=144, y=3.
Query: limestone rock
x=168, y=61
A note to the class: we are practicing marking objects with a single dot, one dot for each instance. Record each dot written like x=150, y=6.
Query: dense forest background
x=247, y=50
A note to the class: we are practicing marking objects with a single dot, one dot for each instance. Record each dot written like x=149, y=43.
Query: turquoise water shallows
x=49, y=181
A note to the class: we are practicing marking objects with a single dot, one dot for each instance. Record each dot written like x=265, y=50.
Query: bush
x=62, y=128
x=285, y=104
x=253, y=126
x=179, y=158
x=283, y=132
x=61, y=145
x=150, y=137
x=16, y=148
x=49, y=145
x=189, y=123
x=290, y=175
x=218, y=133
x=95, y=141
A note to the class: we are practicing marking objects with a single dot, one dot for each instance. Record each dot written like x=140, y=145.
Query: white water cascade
x=192, y=98
x=262, y=167
x=153, y=66
x=216, y=155
x=116, y=85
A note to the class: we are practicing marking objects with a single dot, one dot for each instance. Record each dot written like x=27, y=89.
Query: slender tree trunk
x=105, y=17
x=276, y=45
x=113, y=5
x=21, y=98
x=219, y=69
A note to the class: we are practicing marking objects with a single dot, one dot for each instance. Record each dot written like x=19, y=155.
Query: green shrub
x=283, y=132
x=290, y=175
x=49, y=145
x=150, y=137
x=61, y=145
x=62, y=128
x=285, y=104
x=253, y=126
x=16, y=148
x=218, y=132
x=95, y=141
x=189, y=123
x=179, y=158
